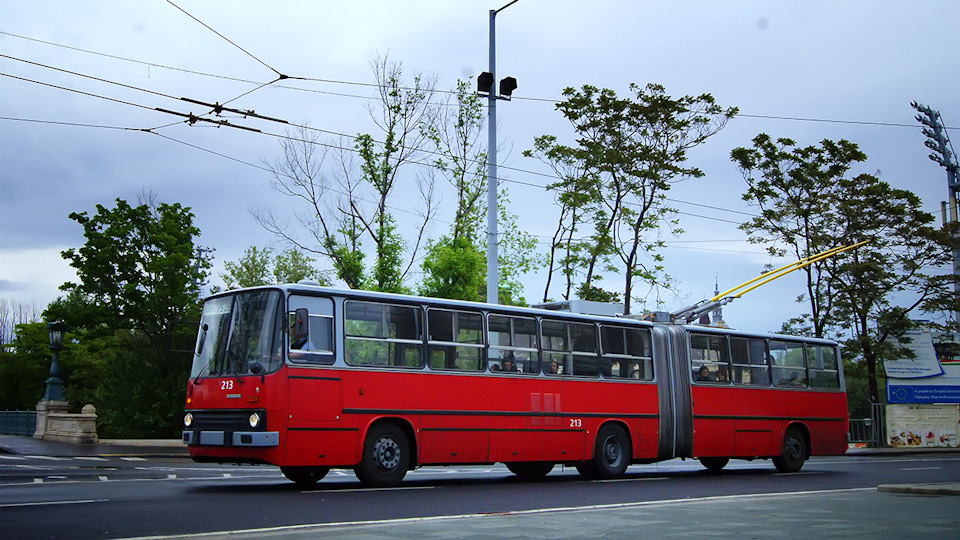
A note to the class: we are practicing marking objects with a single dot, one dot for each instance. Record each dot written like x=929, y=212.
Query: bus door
x=716, y=406
x=314, y=403
x=673, y=392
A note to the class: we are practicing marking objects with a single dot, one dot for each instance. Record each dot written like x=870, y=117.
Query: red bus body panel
x=323, y=415
x=750, y=422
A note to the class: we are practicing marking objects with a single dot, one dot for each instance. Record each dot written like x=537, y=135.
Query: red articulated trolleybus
x=312, y=378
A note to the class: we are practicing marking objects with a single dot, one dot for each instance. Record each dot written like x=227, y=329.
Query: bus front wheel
x=386, y=457
x=794, y=452
x=611, y=455
x=305, y=477
x=530, y=471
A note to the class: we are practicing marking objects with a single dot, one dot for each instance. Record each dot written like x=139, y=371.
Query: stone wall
x=55, y=423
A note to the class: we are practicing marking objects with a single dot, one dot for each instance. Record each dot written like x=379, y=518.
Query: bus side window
x=749, y=357
x=627, y=350
x=378, y=334
x=455, y=339
x=311, y=330
x=788, y=366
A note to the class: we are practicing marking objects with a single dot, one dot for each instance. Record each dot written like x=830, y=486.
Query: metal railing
x=872, y=430
x=18, y=422
x=861, y=430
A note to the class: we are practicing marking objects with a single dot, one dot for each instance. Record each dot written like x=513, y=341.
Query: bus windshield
x=239, y=334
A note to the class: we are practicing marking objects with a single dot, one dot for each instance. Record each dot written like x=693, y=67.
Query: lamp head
x=485, y=82
x=56, y=329
x=507, y=86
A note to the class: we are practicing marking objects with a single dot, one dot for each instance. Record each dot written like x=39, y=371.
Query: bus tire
x=611, y=456
x=587, y=470
x=714, y=464
x=531, y=470
x=305, y=477
x=386, y=457
x=793, y=453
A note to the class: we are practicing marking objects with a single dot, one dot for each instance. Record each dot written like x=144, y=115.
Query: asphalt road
x=116, y=497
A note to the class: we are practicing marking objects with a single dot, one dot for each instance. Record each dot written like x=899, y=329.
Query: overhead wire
x=225, y=38
x=375, y=85
x=217, y=108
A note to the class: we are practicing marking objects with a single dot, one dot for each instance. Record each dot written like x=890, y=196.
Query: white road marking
x=920, y=469
x=52, y=503
x=633, y=479
x=133, y=459
x=90, y=458
x=322, y=526
x=356, y=490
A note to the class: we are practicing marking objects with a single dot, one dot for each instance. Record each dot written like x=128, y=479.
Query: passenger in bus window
x=553, y=368
x=722, y=374
x=795, y=379
x=704, y=374
x=507, y=362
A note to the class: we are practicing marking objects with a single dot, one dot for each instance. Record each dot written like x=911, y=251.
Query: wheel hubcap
x=387, y=454
x=793, y=450
x=611, y=452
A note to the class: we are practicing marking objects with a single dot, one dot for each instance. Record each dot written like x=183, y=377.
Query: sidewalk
x=23, y=445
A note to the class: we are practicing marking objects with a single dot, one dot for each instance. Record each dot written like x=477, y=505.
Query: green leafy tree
x=810, y=203
x=141, y=267
x=453, y=268
x=455, y=265
x=628, y=153
x=293, y=265
x=250, y=270
x=794, y=189
x=256, y=267
x=24, y=366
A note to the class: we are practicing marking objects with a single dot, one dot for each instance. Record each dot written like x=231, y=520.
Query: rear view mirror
x=299, y=328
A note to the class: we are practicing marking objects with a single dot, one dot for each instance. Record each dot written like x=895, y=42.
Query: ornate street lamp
x=54, y=383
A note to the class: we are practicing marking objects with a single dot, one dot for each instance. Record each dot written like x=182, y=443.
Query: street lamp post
x=54, y=383
x=486, y=83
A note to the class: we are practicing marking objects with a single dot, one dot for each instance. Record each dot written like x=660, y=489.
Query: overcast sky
x=808, y=70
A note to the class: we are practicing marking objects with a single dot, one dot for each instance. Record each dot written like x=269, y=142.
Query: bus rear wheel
x=714, y=464
x=794, y=452
x=305, y=477
x=611, y=455
x=530, y=471
x=386, y=457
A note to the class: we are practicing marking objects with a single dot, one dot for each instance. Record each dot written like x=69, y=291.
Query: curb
x=921, y=489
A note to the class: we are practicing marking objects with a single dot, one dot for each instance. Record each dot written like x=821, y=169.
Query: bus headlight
x=187, y=419
x=254, y=419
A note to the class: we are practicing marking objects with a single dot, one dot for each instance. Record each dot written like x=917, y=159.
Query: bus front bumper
x=231, y=438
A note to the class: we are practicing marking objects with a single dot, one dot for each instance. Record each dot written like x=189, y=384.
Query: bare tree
x=344, y=200
x=13, y=313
